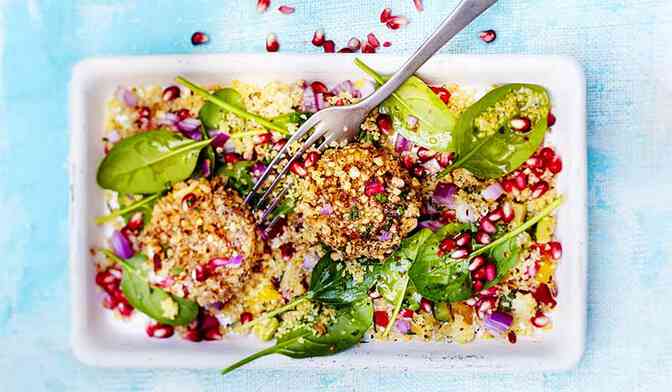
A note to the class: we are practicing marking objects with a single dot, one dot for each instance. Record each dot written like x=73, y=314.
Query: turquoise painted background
x=624, y=45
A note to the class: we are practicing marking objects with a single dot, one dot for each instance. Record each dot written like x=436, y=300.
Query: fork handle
x=462, y=15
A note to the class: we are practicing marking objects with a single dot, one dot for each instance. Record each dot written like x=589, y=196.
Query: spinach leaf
x=393, y=277
x=506, y=256
x=434, y=122
x=292, y=118
x=346, y=331
x=484, y=141
x=149, y=162
x=284, y=209
x=239, y=176
x=211, y=115
x=151, y=300
x=331, y=283
x=145, y=205
x=441, y=278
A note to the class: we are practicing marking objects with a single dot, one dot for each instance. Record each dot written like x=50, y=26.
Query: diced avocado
x=544, y=231
x=266, y=328
x=519, y=213
x=442, y=312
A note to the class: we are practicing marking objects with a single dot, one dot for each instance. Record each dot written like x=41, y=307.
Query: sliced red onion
x=309, y=104
x=498, y=322
x=403, y=326
x=167, y=119
x=309, y=261
x=402, y=144
x=257, y=169
x=432, y=166
x=343, y=87
x=320, y=103
x=384, y=236
x=492, y=192
x=367, y=88
x=189, y=124
x=430, y=224
x=126, y=96
x=465, y=213
x=121, y=245
x=231, y=262
x=428, y=209
x=219, y=138
x=444, y=194
x=326, y=210
x=411, y=121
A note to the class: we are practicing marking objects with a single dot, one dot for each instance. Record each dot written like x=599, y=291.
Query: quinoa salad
x=436, y=224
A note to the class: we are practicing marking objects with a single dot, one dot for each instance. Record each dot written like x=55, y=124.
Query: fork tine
x=273, y=204
x=327, y=142
x=310, y=123
x=319, y=132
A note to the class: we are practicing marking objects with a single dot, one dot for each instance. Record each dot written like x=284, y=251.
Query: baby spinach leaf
x=149, y=162
x=151, y=300
x=484, y=141
x=238, y=174
x=417, y=112
x=144, y=205
x=346, y=331
x=440, y=278
x=506, y=256
x=331, y=283
x=211, y=115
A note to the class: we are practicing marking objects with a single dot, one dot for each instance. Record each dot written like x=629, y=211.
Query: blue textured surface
x=625, y=47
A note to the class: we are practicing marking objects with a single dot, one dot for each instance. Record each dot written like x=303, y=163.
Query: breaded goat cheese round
x=202, y=241
x=359, y=201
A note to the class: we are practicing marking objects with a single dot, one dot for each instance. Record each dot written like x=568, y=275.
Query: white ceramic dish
x=99, y=339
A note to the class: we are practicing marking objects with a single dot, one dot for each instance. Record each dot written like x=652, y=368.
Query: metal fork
x=337, y=124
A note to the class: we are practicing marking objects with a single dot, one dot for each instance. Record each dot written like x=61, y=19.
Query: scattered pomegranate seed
x=372, y=40
x=459, y=254
x=183, y=114
x=490, y=272
x=445, y=158
x=231, y=157
x=368, y=48
x=540, y=320
x=555, y=166
x=143, y=123
x=425, y=154
x=311, y=158
x=478, y=274
x=476, y=263
x=329, y=46
x=543, y=295
x=136, y=222
x=287, y=251
x=193, y=335
x=556, y=250
x=547, y=154
x=201, y=273
x=535, y=163
x=246, y=317
x=521, y=124
x=508, y=185
x=520, y=181
x=262, y=5
x=125, y=309
x=550, y=120
x=277, y=146
x=512, y=337
x=477, y=285
x=318, y=87
x=408, y=161
x=447, y=216
x=487, y=36
x=272, y=44
x=385, y=15
x=406, y=313
x=354, y=43
x=426, y=305
x=447, y=245
x=507, y=212
x=396, y=22
x=199, y=38
x=463, y=239
x=442, y=93
x=344, y=50
x=287, y=10
x=381, y=318
x=188, y=201
x=483, y=238
x=496, y=215
x=170, y=93
x=318, y=37
x=384, y=123
x=144, y=111
x=419, y=171
x=110, y=302
x=373, y=188
x=488, y=226
x=298, y=168
x=418, y=5
x=159, y=331
x=539, y=189
x=263, y=138
x=387, y=44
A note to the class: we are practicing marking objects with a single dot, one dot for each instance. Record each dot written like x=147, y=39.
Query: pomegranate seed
x=246, y=317
x=508, y=185
x=277, y=146
x=329, y=46
x=547, y=154
x=144, y=111
x=193, y=335
x=535, y=163
x=231, y=157
x=484, y=307
x=170, y=93
x=543, y=295
x=539, y=189
x=125, y=309
x=496, y=215
x=447, y=245
x=199, y=38
x=556, y=250
x=555, y=166
x=110, y=302
x=477, y=285
x=212, y=334
x=372, y=40
x=143, y=123
x=272, y=44
x=104, y=277
x=476, y=263
x=136, y=222
x=447, y=216
x=384, y=123
x=298, y=168
x=406, y=313
x=478, y=274
x=521, y=124
x=463, y=239
x=488, y=226
x=188, y=201
x=318, y=37
x=459, y=254
x=385, y=15
x=285, y=9
x=201, y=273
x=490, y=272
x=311, y=158
x=540, y=320
x=287, y=251
x=487, y=36
x=381, y=318
x=520, y=181
x=344, y=50
x=368, y=48
x=387, y=44
x=512, y=337
x=156, y=262
x=183, y=114
x=373, y=188
x=442, y=93
x=425, y=154
x=426, y=305
x=445, y=158
x=354, y=43
x=396, y=22
x=262, y=138
x=208, y=322
x=507, y=212
x=262, y=5
x=419, y=171
x=550, y=120
x=407, y=161
x=160, y=331
x=319, y=87
x=418, y=5
x=483, y=238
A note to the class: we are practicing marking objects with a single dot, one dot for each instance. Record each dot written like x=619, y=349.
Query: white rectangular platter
x=101, y=340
